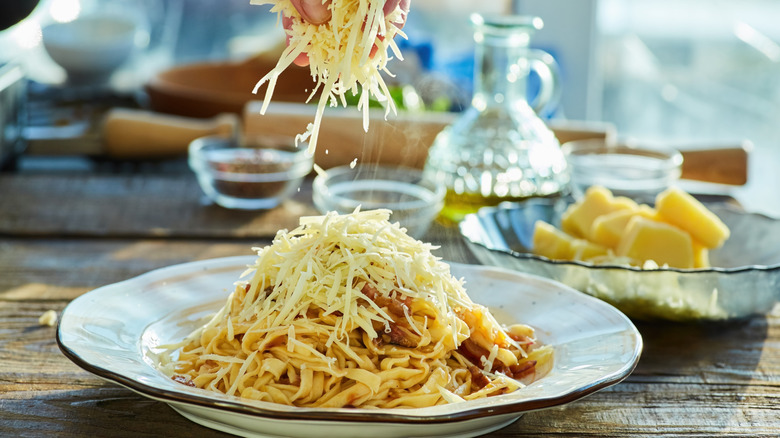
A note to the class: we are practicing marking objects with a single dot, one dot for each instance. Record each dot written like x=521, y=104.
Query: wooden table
x=66, y=232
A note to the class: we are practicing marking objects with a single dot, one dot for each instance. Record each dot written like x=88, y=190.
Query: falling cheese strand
x=339, y=53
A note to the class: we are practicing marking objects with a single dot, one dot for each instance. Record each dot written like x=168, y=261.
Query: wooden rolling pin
x=726, y=165
x=132, y=134
x=400, y=140
x=405, y=140
x=127, y=134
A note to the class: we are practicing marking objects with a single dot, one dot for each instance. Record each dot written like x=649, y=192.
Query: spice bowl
x=414, y=200
x=253, y=174
x=636, y=172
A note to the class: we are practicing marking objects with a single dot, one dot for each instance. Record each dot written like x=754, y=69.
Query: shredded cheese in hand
x=340, y=56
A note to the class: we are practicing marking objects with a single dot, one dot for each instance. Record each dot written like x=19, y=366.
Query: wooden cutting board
x=401, y=139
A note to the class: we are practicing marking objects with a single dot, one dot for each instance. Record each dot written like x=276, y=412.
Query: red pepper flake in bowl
x=248, y=177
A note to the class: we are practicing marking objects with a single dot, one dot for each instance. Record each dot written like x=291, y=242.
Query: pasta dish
x=346, y=54
x=349, y=311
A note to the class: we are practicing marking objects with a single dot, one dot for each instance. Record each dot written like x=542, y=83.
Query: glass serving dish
x=744, y=279
x=259, y=173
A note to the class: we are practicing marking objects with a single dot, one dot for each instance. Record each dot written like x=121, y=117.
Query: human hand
x=316, y=12
x=313, y=11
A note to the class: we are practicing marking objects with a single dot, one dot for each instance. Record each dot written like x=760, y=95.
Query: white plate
x=110, y=331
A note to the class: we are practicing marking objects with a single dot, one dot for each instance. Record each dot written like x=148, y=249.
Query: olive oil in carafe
x=458, y=205
x=499, y=149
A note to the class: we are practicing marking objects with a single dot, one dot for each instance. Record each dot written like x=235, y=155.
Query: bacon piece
x=183, y=380
x=478, y=378
x=402, y=336
x=395, y=304
x=399, y=333
x=521, y=370
x=473, y=352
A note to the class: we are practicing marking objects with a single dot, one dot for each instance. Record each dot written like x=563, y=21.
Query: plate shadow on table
x=715, y=352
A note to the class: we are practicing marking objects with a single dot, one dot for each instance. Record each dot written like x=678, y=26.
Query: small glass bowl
x=257, y=174
x=414, y=200
x=638, y=173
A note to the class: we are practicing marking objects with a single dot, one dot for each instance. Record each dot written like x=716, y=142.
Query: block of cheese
x=584, y=250
x=578, y=218
x=686, y=212
x=646, y=239
x=551, y=242
x=701, y=255
x=607, y=229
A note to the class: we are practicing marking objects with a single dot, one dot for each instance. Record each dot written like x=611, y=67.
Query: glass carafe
x=499, y=149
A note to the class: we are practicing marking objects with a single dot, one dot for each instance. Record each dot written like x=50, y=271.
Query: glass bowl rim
x=671, y=158
x=321, y=187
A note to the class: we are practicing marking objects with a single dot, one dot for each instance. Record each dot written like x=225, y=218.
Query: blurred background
x=691, y=73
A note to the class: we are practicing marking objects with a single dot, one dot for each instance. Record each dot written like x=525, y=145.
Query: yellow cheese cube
x=701, y=255
x=624, y=203
x=607, y=229
x=686, y=212
x=578, y=218
x=665, y=244
x=583, y=250
x=551, y=242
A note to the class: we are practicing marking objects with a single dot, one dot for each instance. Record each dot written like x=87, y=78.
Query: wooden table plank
x=108, y=411
x=719, y=379
x=61, y=236
x=130, y=206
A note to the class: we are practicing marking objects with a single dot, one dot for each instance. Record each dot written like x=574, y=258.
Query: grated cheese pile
x=325, y=262
x=340, y=57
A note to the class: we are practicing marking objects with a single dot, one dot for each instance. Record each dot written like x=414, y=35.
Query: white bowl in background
x=90, y=48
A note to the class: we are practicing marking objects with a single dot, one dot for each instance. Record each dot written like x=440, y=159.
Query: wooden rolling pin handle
x=135, y=134
x=717, y=165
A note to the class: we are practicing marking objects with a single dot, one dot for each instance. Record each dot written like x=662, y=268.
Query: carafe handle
x=549, y=94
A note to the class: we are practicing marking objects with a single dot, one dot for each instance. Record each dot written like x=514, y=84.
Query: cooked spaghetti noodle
x=349, y=311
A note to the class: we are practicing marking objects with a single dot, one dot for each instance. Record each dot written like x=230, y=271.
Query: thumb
x=313, y=11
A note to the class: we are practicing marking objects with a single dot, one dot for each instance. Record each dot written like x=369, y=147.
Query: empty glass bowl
x=257, y=174
x=414, y=200
x=639, y=173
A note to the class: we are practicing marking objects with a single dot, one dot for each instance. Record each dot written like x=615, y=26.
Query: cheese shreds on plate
x=324, y=261
x=340, y=56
